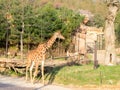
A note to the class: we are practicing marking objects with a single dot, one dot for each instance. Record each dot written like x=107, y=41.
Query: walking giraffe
x=37, y=55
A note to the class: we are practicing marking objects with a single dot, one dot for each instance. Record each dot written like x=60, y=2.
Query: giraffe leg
x=31, y=69
x=42, y=70
x=27, y=72
x=36, y=71
x=27, y=67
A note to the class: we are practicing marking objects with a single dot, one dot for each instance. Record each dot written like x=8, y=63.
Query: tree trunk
x=7, y=37
x=110, y=54
x=21, y=41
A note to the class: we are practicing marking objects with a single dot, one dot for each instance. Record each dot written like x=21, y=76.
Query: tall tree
x=110, y=54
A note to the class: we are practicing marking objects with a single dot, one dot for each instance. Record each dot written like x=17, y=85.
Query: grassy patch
x=85, y=75
x=118, y=55
x=10, y=72
x=79, y=75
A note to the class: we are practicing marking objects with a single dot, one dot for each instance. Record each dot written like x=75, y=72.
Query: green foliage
x=2, y=27
x=48, y=20
x=117, y=28
x=39, y=22
x=70, y=21
x=97, y=21
x=118, y=34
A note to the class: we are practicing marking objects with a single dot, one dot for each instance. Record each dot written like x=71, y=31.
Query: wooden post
x=7, y=37
x=95, y=56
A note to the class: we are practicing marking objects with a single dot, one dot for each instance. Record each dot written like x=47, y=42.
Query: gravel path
x=15, y=83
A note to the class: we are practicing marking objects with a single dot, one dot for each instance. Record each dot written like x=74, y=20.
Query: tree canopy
x=40, y=21
x=43, y=18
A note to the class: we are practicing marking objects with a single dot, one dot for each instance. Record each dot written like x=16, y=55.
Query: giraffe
x=37, y=56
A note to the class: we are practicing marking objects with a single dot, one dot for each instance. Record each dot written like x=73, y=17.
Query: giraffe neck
x=50, y=42
x=43, y=47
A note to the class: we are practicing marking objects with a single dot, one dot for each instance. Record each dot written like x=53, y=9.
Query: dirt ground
x=15, y=83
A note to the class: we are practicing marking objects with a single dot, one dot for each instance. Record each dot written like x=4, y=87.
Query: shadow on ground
x=12, y=87
x=51, y=72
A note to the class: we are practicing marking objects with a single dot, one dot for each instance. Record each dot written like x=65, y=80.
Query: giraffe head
x=59, y=35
